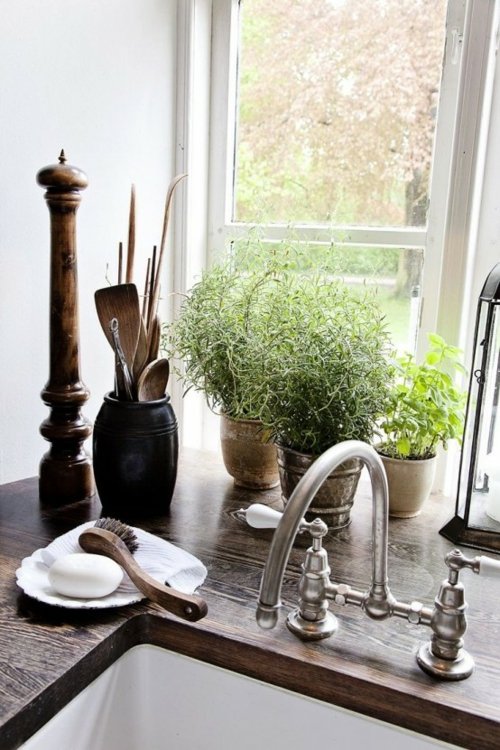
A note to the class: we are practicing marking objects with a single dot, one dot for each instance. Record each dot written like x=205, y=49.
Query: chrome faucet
x=444, y=656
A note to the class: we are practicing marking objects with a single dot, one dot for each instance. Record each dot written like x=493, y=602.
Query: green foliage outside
x=337, y=114
x=336, y=123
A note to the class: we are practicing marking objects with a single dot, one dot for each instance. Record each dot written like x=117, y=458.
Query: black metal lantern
x=477, y=514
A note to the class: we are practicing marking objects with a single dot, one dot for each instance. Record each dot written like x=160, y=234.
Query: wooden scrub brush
x=116, y=540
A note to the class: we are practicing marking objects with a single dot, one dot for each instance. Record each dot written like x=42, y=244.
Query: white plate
x=163, y=561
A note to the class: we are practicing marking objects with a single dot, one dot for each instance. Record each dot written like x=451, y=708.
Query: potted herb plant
x=425, y=411
x=215, y=336
x=324, y=379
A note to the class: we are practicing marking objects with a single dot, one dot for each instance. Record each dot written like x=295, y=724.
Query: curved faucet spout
x=378, y=601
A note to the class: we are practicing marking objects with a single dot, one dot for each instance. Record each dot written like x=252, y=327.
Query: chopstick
x=152, y=281
x=144, y=311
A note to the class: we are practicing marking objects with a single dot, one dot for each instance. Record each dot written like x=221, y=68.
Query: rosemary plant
x=323, y=368
x=217, y=336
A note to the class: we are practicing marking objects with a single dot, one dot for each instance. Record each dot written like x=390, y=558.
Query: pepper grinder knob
x=62, y=177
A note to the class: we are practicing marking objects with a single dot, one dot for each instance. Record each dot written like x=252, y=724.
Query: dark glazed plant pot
x=135, y=456
x=334, y=499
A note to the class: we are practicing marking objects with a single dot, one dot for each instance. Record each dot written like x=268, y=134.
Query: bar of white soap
x=85, y=576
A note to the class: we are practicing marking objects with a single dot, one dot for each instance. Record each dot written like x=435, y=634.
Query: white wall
x=96, y=77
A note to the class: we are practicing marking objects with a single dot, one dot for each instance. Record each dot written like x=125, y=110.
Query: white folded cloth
x=161, y=559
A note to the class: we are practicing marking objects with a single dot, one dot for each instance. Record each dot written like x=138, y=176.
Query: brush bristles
x=125, y=533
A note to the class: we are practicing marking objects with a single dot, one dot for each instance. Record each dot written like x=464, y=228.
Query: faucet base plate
x=446, y=669
x=311, y=630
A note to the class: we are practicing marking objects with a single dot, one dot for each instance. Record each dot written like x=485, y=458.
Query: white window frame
x=469, y=27
x=207, y=33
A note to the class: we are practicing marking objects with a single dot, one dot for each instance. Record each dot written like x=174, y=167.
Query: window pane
x=336, y=110
x=394, y=274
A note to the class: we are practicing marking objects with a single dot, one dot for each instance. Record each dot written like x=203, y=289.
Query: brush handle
x=102, y=542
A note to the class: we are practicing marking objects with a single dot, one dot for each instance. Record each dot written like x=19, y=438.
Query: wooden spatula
x=121, y=302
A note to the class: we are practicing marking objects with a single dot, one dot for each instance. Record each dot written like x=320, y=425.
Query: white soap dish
x=163, y=561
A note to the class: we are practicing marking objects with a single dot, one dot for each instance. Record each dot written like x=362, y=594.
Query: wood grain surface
x=49, y=654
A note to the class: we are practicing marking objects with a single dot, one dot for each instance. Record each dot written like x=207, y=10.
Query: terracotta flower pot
x=247, y=457
x=410, y=483
x=335, y=497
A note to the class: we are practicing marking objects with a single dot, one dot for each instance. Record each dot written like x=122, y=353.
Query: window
x=338, y=118
x=397, y=202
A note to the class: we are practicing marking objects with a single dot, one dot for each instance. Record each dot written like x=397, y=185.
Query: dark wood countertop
x=47, y=654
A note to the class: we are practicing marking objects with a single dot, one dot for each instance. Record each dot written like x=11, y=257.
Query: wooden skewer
x=120, y=262
x=156, y=290
x=146, y=290
x=131, y=238
x=152, y=280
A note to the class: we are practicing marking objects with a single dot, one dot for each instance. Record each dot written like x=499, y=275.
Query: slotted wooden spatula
x=121, y=301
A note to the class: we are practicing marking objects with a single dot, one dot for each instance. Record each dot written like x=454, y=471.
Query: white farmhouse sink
x=154, y=699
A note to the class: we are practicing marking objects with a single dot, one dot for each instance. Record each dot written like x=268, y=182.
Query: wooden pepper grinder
x=66, y=474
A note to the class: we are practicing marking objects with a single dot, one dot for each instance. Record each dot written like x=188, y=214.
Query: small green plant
x=426, y=408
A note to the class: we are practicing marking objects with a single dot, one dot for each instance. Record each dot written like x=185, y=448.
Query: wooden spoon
x=153, y=380
x=102, y=542
x=121, y=302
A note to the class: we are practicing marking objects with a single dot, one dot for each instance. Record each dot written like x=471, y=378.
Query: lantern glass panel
x=481, y=447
